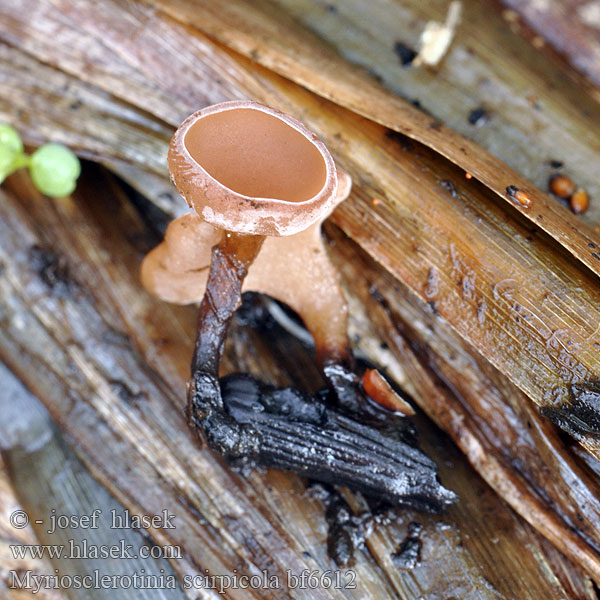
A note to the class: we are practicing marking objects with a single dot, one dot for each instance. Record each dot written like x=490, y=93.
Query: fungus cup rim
x=227, y=209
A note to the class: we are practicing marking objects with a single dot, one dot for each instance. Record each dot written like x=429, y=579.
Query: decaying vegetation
x=485, y=310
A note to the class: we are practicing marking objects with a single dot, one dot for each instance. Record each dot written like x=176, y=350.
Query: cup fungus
x=260, y=185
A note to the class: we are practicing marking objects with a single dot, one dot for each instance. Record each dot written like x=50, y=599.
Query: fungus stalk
x=260, y=185
x=229, y=265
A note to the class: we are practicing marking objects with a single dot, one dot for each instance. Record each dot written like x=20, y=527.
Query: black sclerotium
x=322, y=441
x=336, y=437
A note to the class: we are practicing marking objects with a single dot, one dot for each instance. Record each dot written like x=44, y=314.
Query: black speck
x=555, y=164
x=405, y=54
x=53, y=270
x=478, y=116
x=433, y=307
x=408, y=554
x=449, y=187
x=376, y=294
x=511, y=190
x=417, y=104
x=591, y=245
x=125, y=393
x=400, y=139
x=331, y=9
x=75, y=105
x=596, y=255
x=435, y=125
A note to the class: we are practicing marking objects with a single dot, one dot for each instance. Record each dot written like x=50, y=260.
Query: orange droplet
x=376, y=201
x=510, y=15
x=468, y=175
x=562, y=186
x=522, y=198
x=579, y=201
x=519, y=196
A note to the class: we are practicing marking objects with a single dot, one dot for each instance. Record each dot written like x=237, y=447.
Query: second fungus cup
x=260, y=185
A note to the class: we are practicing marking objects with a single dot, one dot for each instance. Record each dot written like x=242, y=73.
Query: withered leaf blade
x=146, y=471
x=510, y=444
x=34, y=79
x=304, y=435
x=557, y=290
x=302, y=57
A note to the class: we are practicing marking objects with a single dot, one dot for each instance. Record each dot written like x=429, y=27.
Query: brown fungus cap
x=250, y=169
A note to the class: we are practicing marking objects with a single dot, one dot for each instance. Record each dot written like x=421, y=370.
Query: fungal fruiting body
x=260, y=185
x=294, y=269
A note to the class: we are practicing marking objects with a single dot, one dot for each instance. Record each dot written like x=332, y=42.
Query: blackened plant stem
x=231, y=259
